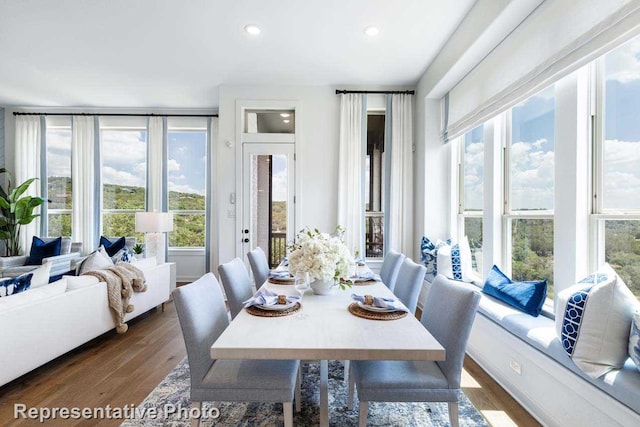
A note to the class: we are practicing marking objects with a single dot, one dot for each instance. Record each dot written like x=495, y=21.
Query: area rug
x=174, y=392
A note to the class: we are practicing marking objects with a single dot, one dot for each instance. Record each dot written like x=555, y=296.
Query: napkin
x=279, y=274
x=390, y=303
x=368, y=275
x=265, y=297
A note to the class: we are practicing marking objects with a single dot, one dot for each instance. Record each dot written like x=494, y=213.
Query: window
x=471, y=199
x=529, y=191
x=124, y=179
x=617, y=164
x=187, y=165
x=58, y=172
x=374, y=178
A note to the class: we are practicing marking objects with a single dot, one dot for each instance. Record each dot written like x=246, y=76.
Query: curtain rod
x=15, y=113
x=405, y=92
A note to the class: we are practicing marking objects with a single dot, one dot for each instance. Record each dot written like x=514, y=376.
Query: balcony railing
x=374, y=243
x=277, y=248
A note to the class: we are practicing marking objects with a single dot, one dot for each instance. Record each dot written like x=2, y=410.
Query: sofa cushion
x=41, y=249
x=634, y=340
x=528, y=297
x=14, y=285
x=593, y=321
x=77, y=282
x=33, y=295
x=112, y=246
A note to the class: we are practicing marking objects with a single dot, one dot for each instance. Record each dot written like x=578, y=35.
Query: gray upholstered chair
x=259, y=266
x=203, y=317
x=237, y=284
x=449, y=312
x=390, y=268
x=409, y=283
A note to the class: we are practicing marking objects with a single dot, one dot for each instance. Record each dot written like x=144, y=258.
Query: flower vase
x=322, y=287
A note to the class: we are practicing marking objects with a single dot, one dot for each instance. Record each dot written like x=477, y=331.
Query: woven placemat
x=257, y=311
x=356, y=310
x=358, y=283
x=277, y=281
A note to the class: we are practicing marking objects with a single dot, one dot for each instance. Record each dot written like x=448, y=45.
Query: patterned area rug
x=173, y=392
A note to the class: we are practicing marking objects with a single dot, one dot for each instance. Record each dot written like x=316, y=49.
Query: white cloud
x=280, y=190
x=474, y=176
x=532, y=176
x=173, y=165
x=623, y=64
x=621, y=174
x=120, y=177
x=184, y=188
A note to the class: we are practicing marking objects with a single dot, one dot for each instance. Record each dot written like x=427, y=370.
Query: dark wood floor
x=120, y=370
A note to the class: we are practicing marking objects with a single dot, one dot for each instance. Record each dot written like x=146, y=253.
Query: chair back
x=409, y=283
x=203, y=317
x=259, y=266
x=237, y=284
x=390, y=268
x=448, y=314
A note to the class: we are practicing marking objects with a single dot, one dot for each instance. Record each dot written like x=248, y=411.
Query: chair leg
x=351, y=392
x=364, y=412
x=298, y=390
x=453, y=414
x=288, y=413
x=196, y=407
x=347, y=366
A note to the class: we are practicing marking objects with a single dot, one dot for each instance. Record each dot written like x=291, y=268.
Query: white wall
x=317, y=158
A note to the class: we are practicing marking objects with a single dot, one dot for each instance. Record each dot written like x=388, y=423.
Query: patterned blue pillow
x=123, y=255
x=15, y=285
x=429, y=253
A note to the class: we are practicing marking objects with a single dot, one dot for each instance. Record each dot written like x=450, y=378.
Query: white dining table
x=324, y=330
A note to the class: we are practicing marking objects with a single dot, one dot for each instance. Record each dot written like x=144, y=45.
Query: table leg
x=324, y=393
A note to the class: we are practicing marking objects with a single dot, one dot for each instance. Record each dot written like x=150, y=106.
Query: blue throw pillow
x=112, y=248
x=15, y=285
x=41, y=249
x=429, y=253
x=524, y=296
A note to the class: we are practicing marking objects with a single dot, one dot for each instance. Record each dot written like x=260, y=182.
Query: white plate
x=374, y=308
x=277, y=307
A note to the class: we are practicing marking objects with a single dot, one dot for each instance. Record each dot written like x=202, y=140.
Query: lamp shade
x=154, y=222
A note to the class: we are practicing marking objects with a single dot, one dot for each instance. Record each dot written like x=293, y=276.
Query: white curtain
x=27, y=165
x=156, y=155
x=399, y=235
x=85, y=216
x=350, y=171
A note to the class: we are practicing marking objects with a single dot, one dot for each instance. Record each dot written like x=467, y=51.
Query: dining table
x=324, y=329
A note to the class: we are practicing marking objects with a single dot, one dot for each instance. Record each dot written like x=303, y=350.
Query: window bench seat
x=549, y=385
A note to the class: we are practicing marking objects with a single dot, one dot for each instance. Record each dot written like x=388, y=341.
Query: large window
x=58, y=172
x=617, y=163
x=530, y=189
x=124, y=179
x=374, y=185
x=187, y=165
x=471, y=198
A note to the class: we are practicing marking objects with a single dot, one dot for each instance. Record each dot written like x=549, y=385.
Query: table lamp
x=154, y=225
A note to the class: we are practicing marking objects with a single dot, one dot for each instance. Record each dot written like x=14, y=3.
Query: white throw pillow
x=41, y=275
x=97, y=260
x=593, y=320
x=634, y=340
x=454, y=260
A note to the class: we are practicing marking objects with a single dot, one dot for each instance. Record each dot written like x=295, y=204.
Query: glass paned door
x=268, y=205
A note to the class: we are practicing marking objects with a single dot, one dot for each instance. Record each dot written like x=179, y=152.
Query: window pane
x=188, y=230
x=256, y=121
x=532, y=250
x=124, y=169
x=531, y=153
x=621, y=168
x=120, y=224
x=59, y=168
x=622, y=251
x=186, y=165
x=59, y=225
x=473, y=166
x=473, y=231
x=374, y=186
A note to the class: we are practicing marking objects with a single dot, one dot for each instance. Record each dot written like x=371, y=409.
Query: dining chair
x=390, y=268
x=448, y=315
x=236, y=283
x=409, y=283
x=203, y=317
x=259, y=266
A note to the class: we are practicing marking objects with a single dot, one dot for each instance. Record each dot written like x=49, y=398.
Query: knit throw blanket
x=122, y=280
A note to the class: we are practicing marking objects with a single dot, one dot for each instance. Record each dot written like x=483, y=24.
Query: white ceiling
x=176, y=53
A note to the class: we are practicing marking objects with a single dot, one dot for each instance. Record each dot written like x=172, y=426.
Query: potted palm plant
x=16, y=210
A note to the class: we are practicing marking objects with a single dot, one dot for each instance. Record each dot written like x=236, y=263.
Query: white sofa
x=38, y=328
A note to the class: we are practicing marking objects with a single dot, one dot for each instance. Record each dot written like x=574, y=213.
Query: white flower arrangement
x=324, y=256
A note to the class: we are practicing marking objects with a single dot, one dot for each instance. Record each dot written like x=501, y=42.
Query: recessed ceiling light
x=284, y=114
x=286, y=121
x=371, y=31
x=254, y=30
